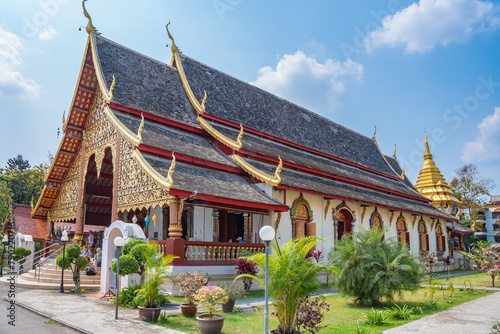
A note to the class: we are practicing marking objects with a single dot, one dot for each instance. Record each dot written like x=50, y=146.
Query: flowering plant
x=190, y=284
x=429, y=260
x=209, y=297
x=487, y=258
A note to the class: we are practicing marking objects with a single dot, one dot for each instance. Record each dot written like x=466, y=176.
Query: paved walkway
x=474, y=317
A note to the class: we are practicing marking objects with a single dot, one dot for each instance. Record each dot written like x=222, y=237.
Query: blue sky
x=404, y=66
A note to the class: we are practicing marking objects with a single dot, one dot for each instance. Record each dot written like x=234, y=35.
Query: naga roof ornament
x=374, y=133
x=272, y=180
x=141, y=127
x=90, y=27
x=394, y=155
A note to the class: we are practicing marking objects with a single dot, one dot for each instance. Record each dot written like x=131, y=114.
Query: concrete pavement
x=474, y=317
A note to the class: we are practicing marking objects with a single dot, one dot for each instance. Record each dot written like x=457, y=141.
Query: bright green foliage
x=21, y=252
x=128, y=265
x=377, y=317
x=400, y=313
x=156, y=269
x=5, y=202
x=73, y=260
x=291, y=278
x=138, y=252
x=23, y=184
x=127, y=295
x=130, y=244
x=372, y=268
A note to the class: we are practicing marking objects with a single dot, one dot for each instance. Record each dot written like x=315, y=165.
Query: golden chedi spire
x=433, y=185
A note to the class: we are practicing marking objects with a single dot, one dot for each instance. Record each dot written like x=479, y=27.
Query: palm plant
x=156, y=269
x=291, y=278
x=372, y=267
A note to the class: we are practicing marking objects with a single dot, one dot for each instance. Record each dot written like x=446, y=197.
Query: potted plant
x=190, y=284
x=291, y=279
x=234, y=292
x=208, y=297
x=147, y=297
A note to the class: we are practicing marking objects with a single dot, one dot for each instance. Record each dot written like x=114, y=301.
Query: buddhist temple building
x=201, y=161
x=492, y=214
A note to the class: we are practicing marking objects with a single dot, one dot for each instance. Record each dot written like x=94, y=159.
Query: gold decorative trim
x=394, y=154
x=167, y=182
x=390, y=218
x=327, y=207
x=264, y=177
x=235, y=145
x=374, y=138
x=277, y=223
x=111, y=90
x=90, y=27
x=141, y=127
x=413, y=221
x=125, y=132
x=363, y=214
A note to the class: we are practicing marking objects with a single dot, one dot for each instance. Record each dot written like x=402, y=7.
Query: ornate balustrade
x=205, y=253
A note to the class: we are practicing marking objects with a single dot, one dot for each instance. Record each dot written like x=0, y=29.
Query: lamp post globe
x=267, y=234
x=119, y=242
x=64, y=239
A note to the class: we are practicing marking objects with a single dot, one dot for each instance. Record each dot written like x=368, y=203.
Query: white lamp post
x=119, y=242
x=64, y=239
x=266, y=233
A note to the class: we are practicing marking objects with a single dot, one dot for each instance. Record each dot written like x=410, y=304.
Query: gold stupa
x=433, y=185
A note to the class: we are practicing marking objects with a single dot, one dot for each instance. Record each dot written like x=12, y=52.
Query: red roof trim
x=229, y=201
x=358, y=201
x=288, y=143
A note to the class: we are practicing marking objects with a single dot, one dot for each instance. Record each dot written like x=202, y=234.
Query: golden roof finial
x=111, y=90
x=141, y=127
x=374, y=133
x=395, y=149
x=90, y=27
x=174, y=47
x=238, y=139
x=170, y=181
x=202, y=110
x=278, y=170
x=402, y=174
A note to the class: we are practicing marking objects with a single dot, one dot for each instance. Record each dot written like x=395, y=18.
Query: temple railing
x=205, y=253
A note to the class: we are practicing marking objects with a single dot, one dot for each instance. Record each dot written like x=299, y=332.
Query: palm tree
x=372, y=267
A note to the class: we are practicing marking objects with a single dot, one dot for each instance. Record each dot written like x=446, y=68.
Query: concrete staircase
x=50, y=279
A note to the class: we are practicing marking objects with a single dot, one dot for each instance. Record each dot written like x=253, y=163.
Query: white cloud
x=304, y=81
x=12, y=83
x=47, y=33
x=423, y=25
x=487, y=144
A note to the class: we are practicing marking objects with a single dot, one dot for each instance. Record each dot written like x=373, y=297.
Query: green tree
x=73, y=260
x=372, y=267
x=292, y=278
x=472, y=190
x=5, y=202
x=24, y=184
x=17, y=163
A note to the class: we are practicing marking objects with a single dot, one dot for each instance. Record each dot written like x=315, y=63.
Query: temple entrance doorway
x=344, y=223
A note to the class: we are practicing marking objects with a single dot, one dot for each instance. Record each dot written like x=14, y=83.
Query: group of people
x=95, y=261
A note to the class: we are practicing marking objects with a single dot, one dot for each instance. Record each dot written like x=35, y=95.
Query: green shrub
x=128, y=265
x=19, y=253
x=130, y=244
x=430, y=306
x=400, y=313
x=376, y=317
x=372, y=267
x=81, y=262
x=138, y=252
x=126, y=296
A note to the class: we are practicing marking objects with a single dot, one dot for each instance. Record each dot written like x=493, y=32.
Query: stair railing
x=34, y=259
x=51, y=256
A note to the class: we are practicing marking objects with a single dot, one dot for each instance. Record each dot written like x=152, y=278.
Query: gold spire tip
x=174, y=47
x=374, y=133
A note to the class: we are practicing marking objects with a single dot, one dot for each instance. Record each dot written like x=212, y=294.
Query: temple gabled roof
x=318, y=155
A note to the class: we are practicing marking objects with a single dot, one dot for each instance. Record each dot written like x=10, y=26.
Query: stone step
x=57, y=272
x=55, y=279
x=22, y=283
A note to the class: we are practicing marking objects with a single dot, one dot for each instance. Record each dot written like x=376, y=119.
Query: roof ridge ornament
x=111, y=88
x=90, y=27
x=174, y=47
x=272, y=180
x=374, y=133
x=141, y=127
x=395, y=149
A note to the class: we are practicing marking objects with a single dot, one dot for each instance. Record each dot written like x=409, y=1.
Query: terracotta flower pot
x=149, y=314
x=228, y=307
x=210, y=326
x=189, y=310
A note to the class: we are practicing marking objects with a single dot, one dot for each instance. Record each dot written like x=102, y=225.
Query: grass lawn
x=343, y=317
x=479, y=279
